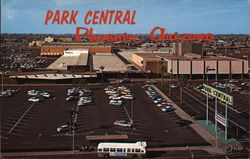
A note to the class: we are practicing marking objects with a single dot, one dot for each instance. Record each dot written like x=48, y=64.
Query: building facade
x=214, y=65
x=57, y=48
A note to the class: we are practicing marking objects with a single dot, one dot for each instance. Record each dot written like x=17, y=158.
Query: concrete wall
x=59, y=50
x=236, y=67
x=138, y=60
x=223, y=67
x=184, y=67
x=197, y=67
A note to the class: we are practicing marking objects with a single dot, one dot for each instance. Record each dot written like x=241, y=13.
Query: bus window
x=106, y=149
x=128, y=150
x=124, y=150
x=112, y=149
x=133, y=150
x=99, y=150
x=142, y=151
x=119, y=149
x=137, y=150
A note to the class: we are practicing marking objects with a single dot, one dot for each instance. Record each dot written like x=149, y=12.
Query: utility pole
x=216, y=132
x=207, y=105
x=73, y=137
x=226, y=117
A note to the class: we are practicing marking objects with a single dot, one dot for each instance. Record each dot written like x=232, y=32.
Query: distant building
x=192, y=65
x=49, y=39
x=75, y=60
x=65, y=39
x=57, y=48
x=36, y=43
x=180, y=48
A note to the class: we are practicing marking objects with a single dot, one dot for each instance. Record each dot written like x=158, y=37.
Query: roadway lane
x=197, y=102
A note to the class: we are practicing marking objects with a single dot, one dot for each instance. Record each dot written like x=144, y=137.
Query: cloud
x=10, y=14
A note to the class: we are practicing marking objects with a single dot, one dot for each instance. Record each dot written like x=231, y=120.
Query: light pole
x=207, y=105
x=132, y=112
x=73, y=136
x=2, y=80
x=216, y=133
x=226, y=116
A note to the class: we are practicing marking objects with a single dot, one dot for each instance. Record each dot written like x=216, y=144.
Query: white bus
x=116, y=149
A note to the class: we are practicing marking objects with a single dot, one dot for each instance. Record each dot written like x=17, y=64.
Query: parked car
x=63, y=128
x=199, y=86
x=115, y=102
x=125, y=80
x=189, y=85
x=173, y=85
x=46, y=94
x=123, y=123
x=183, y=122
x=33, y=92
x=151, y=82
x=35, y=99
x=168, y=108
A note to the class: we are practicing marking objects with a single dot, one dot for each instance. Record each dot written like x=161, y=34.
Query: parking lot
x=34, y=124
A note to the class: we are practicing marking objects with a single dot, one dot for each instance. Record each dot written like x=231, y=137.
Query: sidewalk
x=45, y=153
x=211, y=128
x=196, y=126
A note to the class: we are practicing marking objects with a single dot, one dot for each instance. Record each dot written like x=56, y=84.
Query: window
x=142, y=151
x=133, y=150
x=128, y=150
x=119, y=150
x=137, y=150
x=106, y=149
x=112, y=149
x=99, y=150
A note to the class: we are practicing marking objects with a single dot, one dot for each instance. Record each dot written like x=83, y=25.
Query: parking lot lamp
x=2, y=80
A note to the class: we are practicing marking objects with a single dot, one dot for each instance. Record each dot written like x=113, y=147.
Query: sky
x=182, y=16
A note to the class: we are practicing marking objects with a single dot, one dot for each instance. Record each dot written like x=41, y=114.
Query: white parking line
x=21, y=118
x=127, y=113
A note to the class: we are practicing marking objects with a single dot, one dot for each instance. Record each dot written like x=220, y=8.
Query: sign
x=218, y=94
x=221, y=119
x=209, y=69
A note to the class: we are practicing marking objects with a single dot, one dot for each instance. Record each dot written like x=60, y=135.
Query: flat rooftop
x=62, y=62
x=110, y=61
x=72, y=44
x=156, y=56
x=54, y=76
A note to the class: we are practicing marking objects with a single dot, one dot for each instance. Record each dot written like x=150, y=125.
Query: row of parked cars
x=20, y=62
x=83, y=95
x=117, y=95
x=38, y=96
x=7, y=93
x=163, y=104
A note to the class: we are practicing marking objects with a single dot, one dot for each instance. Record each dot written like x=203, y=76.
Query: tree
x=170, y=88
x=182, y=82
x=102, y=68
x=163, y=70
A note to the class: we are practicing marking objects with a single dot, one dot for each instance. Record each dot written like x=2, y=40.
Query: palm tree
x=170, y=89
x=163, y=70
x=102, y=68
x=182, y=82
